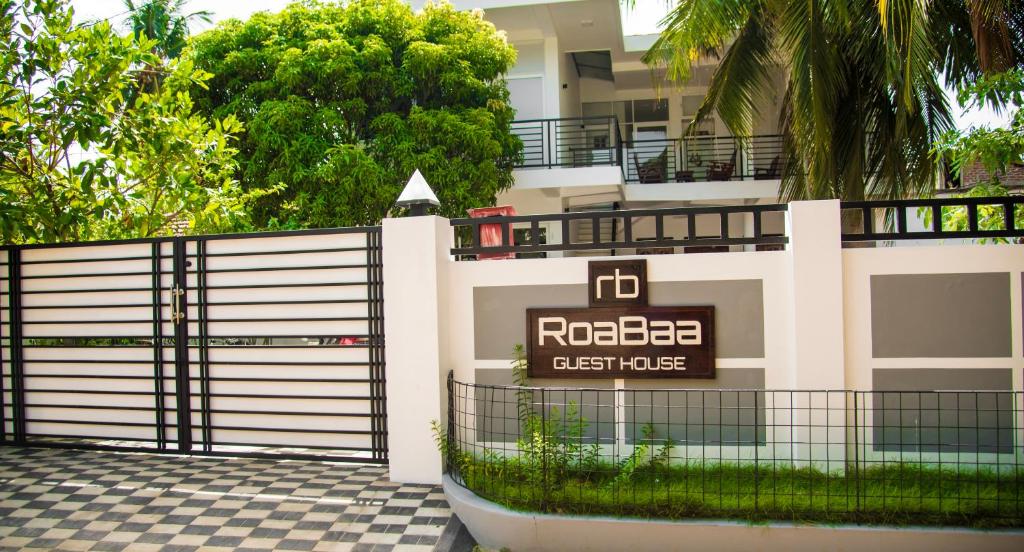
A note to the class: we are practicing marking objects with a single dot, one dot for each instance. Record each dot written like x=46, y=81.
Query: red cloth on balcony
x=490, y=234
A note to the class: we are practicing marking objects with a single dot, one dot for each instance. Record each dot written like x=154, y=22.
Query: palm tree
x=863, y=100
x=162, y=20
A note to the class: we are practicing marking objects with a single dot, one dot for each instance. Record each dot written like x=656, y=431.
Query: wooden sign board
x=621, y=342
x=617, y=283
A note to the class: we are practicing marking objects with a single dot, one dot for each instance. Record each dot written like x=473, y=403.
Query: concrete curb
x=494, y=526
x=455, y=538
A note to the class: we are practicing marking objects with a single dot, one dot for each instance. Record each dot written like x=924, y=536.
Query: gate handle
x=177, y=292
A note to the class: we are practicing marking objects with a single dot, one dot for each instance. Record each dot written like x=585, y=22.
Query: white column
x=416, y=255
x=552, y=84
x=819, y=418
x=817, y=264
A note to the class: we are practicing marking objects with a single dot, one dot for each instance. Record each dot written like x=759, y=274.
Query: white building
x=601, y=130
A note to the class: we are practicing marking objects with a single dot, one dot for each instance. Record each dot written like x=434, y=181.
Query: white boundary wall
x=859, y=265
x=814, y=299
x=770, y=267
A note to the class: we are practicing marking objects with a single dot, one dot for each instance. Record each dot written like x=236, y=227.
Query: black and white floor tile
x=59, y=499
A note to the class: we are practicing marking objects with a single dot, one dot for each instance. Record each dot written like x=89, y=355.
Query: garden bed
x=894, y=494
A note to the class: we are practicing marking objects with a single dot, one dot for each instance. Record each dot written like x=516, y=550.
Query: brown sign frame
x=699, y=360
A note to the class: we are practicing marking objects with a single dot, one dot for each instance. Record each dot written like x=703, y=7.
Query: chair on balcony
x=772, y=172
x=718, y=170
x=653, y=170
x=685, y=176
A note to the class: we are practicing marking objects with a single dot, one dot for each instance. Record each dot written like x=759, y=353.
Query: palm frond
x=743, y=77
x=694, y=28
x=991, y=23
x=808, y=37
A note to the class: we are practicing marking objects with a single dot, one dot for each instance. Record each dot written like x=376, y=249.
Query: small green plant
x=640, y=458
x=631, y=464
x=453, y=457
x=441, y=440
x=524, y=395
x=550, y=444
x=663, y=458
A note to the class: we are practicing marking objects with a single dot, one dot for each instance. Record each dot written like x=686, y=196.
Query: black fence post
x=451, y=424
x=856, y=451
x=757, y=467
x=544, y=448
x=158, y=347
x=3, y=405
x=179, y=310
x=204, y=346
x=17, y=351
x=550, y=139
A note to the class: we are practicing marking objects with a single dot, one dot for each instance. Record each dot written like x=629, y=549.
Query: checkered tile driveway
x=82, y=500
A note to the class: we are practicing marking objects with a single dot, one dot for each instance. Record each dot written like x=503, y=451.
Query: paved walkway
x=79, y=500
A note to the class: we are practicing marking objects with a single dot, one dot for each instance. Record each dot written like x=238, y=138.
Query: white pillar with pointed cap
x=417, y=196
x=415, y=256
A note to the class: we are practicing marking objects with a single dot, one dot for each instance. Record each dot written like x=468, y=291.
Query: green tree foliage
x=995, y=148
x=863, y=102
x=166, y=28
x=79, y=161
x=166, y=163
x=163, y=22
x=342, y=102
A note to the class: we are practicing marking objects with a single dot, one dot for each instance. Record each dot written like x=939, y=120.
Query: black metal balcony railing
x=576, y=142
x=596, y=141
x=704, y=159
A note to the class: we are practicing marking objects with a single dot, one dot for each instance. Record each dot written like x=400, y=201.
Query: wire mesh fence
x=893, y=457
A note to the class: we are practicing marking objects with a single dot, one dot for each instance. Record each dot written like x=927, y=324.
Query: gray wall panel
x=935, y=379
x=940, y=315
x=692, y=413
x=725, y=378
x=921, y=410
x=739, y=311
x=704, y=416
x=499, y=312
x=497, y=417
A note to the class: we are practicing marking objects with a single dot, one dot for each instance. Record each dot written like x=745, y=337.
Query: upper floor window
x=690, y=105
x=633, y=114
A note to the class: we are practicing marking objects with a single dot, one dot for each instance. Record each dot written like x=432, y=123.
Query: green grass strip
x=893, y=494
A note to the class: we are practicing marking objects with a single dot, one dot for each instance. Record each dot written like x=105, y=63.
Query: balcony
x=703, y=159
x=569, y=143
x=597, y=142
